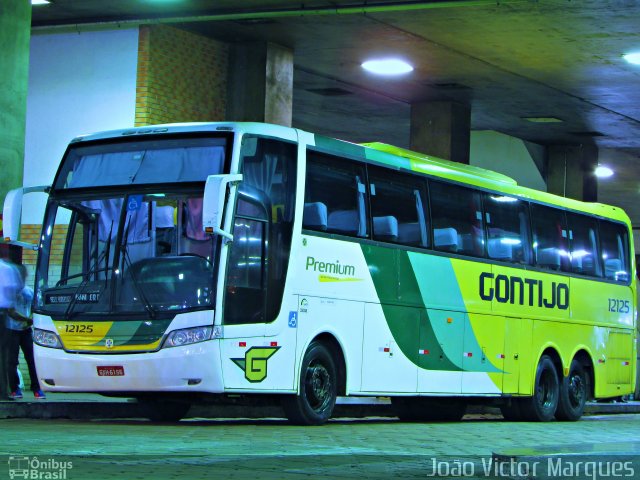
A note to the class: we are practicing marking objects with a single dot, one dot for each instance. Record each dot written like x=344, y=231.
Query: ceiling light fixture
x=39, y=2
x=603, y=172
x=387, y=66
x=633, y=58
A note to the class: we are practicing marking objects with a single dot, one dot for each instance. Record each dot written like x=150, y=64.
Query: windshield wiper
x=72, y=302
x=106, y=256
x=126, y=259
x=92, y=270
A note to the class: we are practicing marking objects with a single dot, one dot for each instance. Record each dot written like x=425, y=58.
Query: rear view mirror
x=12, y=212
x=213, y=203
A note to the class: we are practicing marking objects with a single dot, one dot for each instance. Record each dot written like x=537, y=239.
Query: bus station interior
x=535, y=90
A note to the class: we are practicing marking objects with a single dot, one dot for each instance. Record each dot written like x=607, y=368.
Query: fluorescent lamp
x=39, y=2
x=603, y=172
x=633, y=58
x=387, y=66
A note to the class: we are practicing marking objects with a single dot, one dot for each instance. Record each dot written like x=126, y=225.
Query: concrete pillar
x=570, y=171
x=441, y=129
x=260, y=87
x=15, y=32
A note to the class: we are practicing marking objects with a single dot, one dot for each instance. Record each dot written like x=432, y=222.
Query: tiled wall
x=182, y=77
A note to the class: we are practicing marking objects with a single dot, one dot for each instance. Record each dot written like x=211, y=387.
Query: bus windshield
x=142, y=161
x=125, y=254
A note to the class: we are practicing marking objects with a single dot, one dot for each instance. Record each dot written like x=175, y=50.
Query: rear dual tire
x=564, y=400
x=574, y=391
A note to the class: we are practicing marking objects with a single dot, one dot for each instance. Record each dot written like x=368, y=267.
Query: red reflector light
x=274, y=344
x=242, y=344
x=387, y=349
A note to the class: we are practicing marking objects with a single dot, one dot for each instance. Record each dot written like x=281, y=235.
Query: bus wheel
x=573, y=393
x=541, y=407
x=318, y=388
x=159, y=411
x=426, y=409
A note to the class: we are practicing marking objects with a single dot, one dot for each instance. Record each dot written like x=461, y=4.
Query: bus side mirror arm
x=213, y=203
x=12, y=212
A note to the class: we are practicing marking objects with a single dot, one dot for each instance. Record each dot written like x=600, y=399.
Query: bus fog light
x=45, y=338
x=188, y=336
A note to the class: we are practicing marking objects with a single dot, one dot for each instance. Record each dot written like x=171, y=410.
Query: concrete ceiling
x=507, y=60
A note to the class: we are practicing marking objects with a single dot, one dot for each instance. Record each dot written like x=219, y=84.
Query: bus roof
x=381, y=153
x=403, y=159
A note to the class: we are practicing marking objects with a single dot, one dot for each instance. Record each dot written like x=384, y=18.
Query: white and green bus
x=193, y=262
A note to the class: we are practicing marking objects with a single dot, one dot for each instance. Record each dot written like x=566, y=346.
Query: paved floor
x=272, y=449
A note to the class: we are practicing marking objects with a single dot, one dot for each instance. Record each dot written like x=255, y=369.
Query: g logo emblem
x=254, y=363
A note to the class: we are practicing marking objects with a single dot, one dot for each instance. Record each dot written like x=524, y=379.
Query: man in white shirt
x=9, y=288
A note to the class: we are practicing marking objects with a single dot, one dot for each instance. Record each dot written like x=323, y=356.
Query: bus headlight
x=45, y=338
x=187, y=336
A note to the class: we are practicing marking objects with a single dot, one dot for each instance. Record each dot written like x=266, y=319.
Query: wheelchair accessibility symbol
x=293, y=319
x=134, y=203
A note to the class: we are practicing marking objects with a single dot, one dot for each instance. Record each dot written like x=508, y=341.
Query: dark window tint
x=614, y=242
x=457, y=219
x=335, y=196
x=583, y=238
x=507, y=221
x=398, y=208
x=550, y=239
x=262, y=231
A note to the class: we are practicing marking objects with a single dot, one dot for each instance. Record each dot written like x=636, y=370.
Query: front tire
x=573, y=393
x=318, y=388
x=541, y=407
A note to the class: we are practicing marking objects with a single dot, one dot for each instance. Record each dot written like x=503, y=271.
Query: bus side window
x=459, y=209
x=614, y=240
x=550, y=238
x=398, y=208
x=584, y=245
x=507, y=220
x=335, y=196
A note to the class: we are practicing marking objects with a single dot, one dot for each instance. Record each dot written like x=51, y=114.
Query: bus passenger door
x=390, y=348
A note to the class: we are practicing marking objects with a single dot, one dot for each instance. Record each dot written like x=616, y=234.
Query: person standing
x=20, y=337
x=9, y=288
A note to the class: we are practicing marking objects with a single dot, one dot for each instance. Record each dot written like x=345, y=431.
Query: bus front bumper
x=190, y=368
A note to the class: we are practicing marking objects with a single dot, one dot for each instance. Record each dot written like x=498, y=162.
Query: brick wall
x=31, y=234
x=182, y=77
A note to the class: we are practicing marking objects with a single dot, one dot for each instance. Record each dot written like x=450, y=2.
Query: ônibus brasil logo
x=34, y=467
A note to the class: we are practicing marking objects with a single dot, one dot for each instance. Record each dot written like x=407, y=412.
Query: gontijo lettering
x=327, y=267
x=521, y=291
